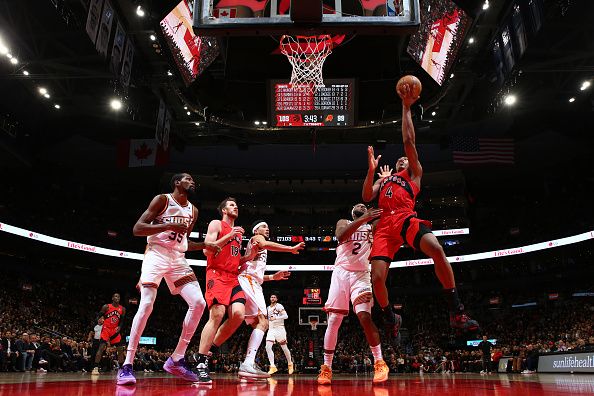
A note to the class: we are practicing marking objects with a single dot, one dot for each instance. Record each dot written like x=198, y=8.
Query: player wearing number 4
x=396, y=193
x=351, y=281
x=166, y=224
x=250, y=279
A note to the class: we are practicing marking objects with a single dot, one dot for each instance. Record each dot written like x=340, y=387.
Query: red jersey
x=112, y=316
x=228, y=258
x=397, y=195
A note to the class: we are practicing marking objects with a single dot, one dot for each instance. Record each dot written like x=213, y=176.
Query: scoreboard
x=312, y=297
x=330, y=105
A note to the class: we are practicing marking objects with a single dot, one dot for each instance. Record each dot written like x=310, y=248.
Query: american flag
x=474, y=150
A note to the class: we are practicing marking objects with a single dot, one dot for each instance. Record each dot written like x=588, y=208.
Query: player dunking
x=223, y=292
x=113, y=319
x=351, y=281
x=276, y=332
x=251, y=279
x=166, y=224
x=398, y=223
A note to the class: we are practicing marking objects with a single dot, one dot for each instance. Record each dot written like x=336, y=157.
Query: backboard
x=265, y=17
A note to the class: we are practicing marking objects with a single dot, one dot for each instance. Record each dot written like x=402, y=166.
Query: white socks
x=328, y=357
x=192, y=294
x=285, y=349
x=377, y=352
x=145, y=307
x=253, y=345
x=269, y=352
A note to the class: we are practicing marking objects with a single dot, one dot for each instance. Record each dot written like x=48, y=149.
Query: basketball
x=413, y=83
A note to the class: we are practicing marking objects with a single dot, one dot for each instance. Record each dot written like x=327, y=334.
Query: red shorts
x=109, y=335
x=392, y=231
x=223, y=288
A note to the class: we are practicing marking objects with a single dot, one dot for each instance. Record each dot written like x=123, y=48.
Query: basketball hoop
x=314, y=324
x=307, y=55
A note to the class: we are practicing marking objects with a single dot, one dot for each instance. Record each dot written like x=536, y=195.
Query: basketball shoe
x=381, y=372
x=126, y=375
x=180, y=369
x=325, y=376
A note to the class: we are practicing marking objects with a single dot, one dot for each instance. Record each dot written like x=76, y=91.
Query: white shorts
x=278, y=334
x=353, y=286
x=160, y=262
x=254, y=296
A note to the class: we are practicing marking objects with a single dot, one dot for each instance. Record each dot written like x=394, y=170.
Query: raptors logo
x=210, y=284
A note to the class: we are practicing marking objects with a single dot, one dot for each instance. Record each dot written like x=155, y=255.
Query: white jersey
x=353, y=254
x=173, y=213
x=276, y=316
x=256, y=267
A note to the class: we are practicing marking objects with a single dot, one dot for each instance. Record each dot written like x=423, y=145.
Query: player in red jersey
x=396, y=193
x=223, y=291
x=113, y=318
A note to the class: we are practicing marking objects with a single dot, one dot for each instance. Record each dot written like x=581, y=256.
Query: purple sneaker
x=126, y=375
x=180, y=369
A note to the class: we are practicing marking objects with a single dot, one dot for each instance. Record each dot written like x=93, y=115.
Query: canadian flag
x=224, y=12
x=134, y=153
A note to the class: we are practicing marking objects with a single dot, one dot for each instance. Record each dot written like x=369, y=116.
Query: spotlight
x=510, y=100
x=185, y=107
x=257, y=122
x=585, y=85
x=188, y=113
x=264, y=123
x=571, y=100
x=433, y=113
x=430, y=121
x=197, y=123
x=452, y=75
x=9, y=56
x=471, y=40
x=42, y=90
x=140, y=11
x=57, y=106
x=115, y=104
x=46, y=95
x=169, y=73
x=25, y=72
x=3, y=50
x=153, y=37
x=373, y=122
x=486, y=5
x=14, y=61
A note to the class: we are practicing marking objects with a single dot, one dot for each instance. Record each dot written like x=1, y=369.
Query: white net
x=307, y=55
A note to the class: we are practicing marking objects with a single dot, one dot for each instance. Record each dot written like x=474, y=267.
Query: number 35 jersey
x=353, y=254
x=173, y=213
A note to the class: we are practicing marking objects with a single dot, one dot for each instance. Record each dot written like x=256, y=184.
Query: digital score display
x=312, y=297
x=332, y=105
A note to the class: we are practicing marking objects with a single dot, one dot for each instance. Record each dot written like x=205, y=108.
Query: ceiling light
x=471, y=40
x=373, y=122
x=585, y=85
x=47, y=96
x=571, y=100
x=14, y=61
x=430, y=121
x=433, y=113
x=264, y=123
x=9, y=56
x=115, y=104
x=188, y=113
x=153, y=37
x=452, y=75
x=42, y=90
x=169, y=73
x=3, y=50
x=197, y=123
x=257, y=122
x=185, y=107
x=57, y=106
x=25, y=72
x=139, y=11
x=510, y=100
x=486, y=5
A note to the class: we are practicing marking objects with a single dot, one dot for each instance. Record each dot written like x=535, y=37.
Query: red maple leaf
x=143, y=152
x=224, y=13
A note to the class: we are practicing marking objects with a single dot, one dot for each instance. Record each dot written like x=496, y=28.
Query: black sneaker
x=203, y=373
x=392, y=323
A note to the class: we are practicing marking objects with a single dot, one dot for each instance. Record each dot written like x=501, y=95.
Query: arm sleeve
x=283, y=314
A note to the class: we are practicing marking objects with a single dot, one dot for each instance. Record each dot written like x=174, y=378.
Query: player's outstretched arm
x=370, y=189
x=143, y=226
x=277, y=247
x=280, y=275
x=207, y=246
x=408, y=132
x=344, y=230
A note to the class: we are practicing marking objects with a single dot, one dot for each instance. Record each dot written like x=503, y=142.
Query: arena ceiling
x=49, y=38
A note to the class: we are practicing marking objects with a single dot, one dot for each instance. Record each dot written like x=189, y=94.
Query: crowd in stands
x=47, y=326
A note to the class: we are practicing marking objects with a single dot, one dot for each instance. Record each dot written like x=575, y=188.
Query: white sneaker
x=95, y=371
x=251, y=371
x=42, y=370
x=42, y=361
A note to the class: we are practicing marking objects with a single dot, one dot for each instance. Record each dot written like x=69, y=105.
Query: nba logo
x=394, y=7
